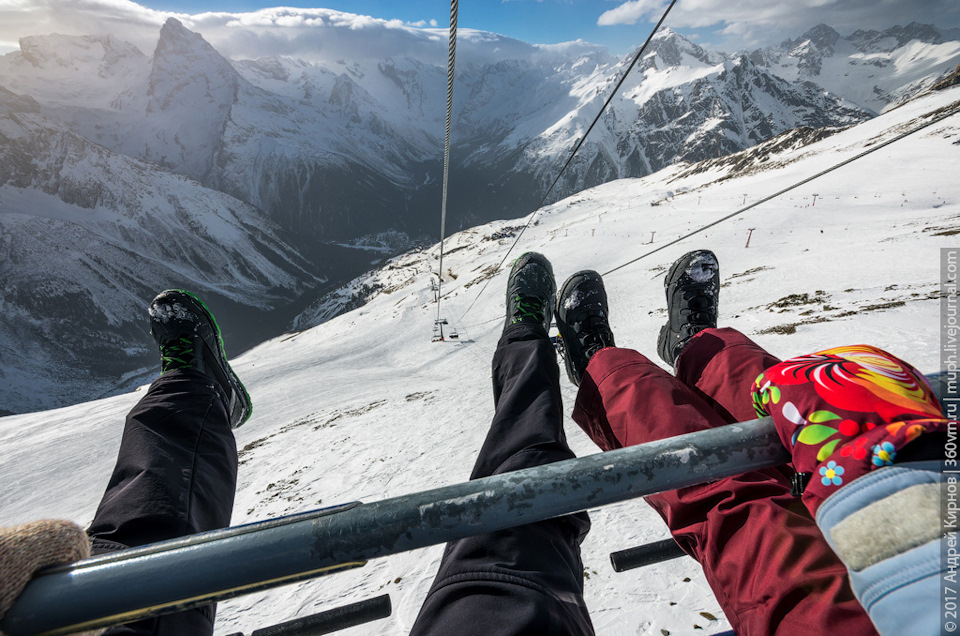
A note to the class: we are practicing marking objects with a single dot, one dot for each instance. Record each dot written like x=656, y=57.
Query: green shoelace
x=527, y=309
x=176, y=354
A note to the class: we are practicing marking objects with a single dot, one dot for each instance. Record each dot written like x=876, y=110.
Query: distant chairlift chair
x=438, y=335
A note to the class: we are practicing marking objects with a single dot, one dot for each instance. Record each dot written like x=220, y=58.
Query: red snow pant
x=763, y=555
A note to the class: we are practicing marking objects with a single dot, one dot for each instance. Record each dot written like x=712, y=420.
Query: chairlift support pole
x=195, y=570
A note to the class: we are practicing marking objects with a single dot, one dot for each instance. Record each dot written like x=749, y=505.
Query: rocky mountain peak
x=192, y=89
x=669, y=48
x=811, y=48
x=926, y=33
x=183, y=54
x=821, y=36
x=176, y=39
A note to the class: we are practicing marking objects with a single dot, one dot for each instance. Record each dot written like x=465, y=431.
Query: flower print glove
x=846, y=411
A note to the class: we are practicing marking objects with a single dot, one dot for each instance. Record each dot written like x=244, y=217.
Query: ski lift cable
x=451, y=59
x=953, y=111
x=576, y=148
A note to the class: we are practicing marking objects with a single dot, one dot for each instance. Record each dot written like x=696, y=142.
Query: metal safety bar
x=646, y=554
x=195, y=570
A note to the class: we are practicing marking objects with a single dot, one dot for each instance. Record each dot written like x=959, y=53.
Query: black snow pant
x=176, y=474
x=526, y=580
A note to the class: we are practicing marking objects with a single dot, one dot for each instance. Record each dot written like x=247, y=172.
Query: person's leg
x=176, y=469
x=529, y=579
x=765, y=560
x=721, y=365
x=175, y=475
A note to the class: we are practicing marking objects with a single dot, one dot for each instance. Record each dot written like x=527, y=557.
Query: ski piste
x=175, y=575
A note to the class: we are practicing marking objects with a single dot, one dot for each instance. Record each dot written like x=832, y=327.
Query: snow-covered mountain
x=334, y=151
x=364, y=407
x=685, y=104
x=86, y=234
x=874, y=69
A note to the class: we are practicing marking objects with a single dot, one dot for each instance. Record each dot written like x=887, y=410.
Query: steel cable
x=451, y=63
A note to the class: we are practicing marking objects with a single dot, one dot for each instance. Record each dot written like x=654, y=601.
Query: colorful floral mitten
x=846, y=411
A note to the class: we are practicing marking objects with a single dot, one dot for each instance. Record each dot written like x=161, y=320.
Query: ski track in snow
x=365, y=407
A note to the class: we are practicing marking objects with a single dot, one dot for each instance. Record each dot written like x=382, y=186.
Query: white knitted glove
x=26, y=548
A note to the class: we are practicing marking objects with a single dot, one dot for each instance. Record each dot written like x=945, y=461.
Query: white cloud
x=307, y=33
x=310, y=34
x=419, y=24
x=630, y=12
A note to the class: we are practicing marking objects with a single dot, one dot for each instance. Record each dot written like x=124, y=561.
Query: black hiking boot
x=693, y=290
x=582, y=321
x=531, y=291
x=189, y=338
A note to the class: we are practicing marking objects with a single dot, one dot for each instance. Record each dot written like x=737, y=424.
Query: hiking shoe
x=693, y=290
x=582, y=321
x=531, y=291
x=189, y=338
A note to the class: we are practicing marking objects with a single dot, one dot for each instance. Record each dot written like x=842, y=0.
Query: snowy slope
x=365, y=407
